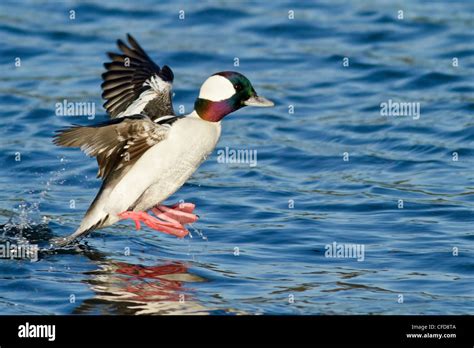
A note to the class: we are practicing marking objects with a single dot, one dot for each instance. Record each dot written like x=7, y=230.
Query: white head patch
x=216, y=88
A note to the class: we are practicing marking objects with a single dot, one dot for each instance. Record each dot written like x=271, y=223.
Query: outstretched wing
x=134, y=84
x=117, y=144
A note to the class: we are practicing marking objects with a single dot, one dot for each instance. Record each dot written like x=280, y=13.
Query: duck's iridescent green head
x=226, y=92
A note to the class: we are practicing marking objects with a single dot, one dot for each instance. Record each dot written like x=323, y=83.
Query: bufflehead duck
x=146, y=152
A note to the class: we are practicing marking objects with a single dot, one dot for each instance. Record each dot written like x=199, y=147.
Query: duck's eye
x=238, y=87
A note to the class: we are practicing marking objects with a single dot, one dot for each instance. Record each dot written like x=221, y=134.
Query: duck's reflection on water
x=123, y=288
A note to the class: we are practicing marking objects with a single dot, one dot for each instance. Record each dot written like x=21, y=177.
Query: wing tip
x=141, y=65
x=131, y=40
x=166, y=73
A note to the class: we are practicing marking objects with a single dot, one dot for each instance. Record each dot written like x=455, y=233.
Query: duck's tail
x=94, y=219
x=84, y=229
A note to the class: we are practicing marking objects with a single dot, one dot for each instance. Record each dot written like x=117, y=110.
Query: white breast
x=165, y=167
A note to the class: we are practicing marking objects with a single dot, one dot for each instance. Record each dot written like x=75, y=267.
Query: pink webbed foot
x=180, y=213
x=168, y=227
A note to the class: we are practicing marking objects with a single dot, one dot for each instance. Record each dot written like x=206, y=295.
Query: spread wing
x=117, y=144
x=134, y=84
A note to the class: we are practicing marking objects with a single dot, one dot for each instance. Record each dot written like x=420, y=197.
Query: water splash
x=197, y=231
x=26, y=217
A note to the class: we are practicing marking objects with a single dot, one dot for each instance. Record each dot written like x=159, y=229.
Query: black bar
x=290, y=330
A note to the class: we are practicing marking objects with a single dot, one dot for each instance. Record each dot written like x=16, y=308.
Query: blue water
x=259, y=246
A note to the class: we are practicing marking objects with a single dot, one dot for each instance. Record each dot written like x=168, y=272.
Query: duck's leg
x=173, y=228
x=179, y=213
